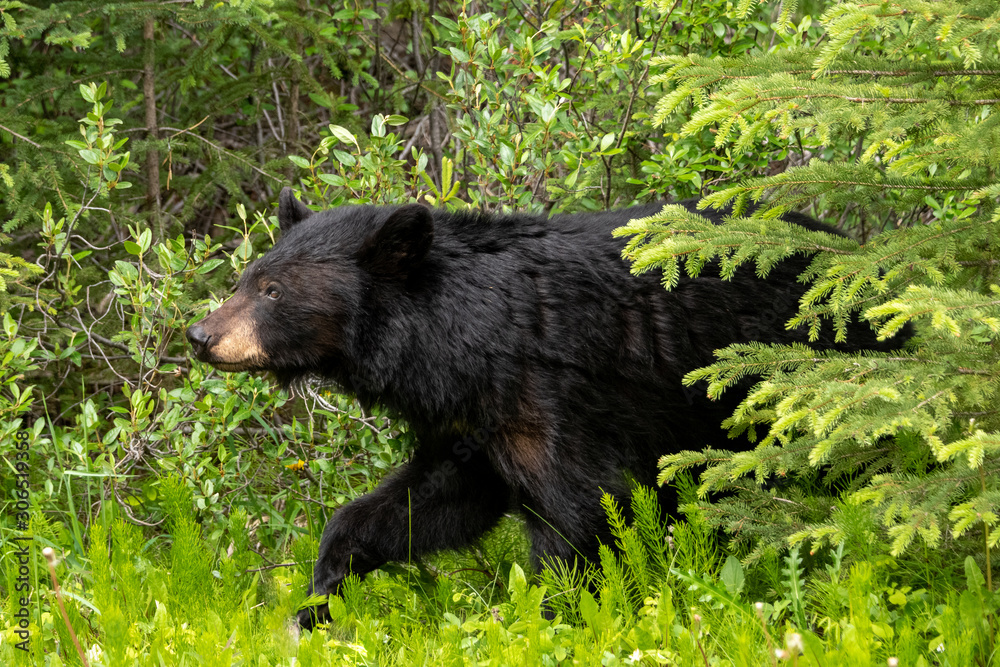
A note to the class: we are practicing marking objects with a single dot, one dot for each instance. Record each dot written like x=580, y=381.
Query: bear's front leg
x=341, y=552
x=431, y=503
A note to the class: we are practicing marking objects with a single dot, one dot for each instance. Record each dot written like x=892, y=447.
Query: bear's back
x=547, y=309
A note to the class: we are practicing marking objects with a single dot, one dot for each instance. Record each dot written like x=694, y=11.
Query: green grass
x=657, y=599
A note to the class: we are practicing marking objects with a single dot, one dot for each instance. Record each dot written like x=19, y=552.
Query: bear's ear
x=400, y=244
x=290, y=210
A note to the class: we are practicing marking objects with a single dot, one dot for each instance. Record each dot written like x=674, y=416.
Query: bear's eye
x=273, y=293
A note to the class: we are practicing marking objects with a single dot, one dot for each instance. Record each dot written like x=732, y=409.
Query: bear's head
x=302, y=307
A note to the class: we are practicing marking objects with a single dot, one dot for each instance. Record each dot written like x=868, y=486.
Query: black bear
x=535, y=371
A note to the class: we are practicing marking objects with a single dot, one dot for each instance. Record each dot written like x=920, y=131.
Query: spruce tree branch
x=884, y=186
x=860, y=72
x=928, y=311
x=89, y=77
x=180, y=132
x=227, y=152
x=896, y=487
x=867, y=100
x=978, y=262
x=815, y=247
x=22, y=138
x=891, y=256
x=905, y=72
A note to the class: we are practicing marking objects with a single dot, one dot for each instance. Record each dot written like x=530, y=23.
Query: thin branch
x=870, y=100
x=268, y=567
x=97, y=338
x=857, y=72
x=21, y=137
x=888, y=186
x=149, y=99
x=227, y=152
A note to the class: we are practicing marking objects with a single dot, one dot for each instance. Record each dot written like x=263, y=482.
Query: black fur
x=535, y=371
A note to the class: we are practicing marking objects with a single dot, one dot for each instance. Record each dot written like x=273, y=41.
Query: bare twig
x=21, y=137
x=50, y=556
x=268, y=567
x=228, y=152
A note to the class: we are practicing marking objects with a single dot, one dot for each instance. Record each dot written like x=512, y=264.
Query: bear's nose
x=199, y=337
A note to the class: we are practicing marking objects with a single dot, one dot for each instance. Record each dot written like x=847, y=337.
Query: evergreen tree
x=890, y=120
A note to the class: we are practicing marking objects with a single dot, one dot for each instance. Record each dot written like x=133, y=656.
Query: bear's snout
x=199, y=338
x=227, y=338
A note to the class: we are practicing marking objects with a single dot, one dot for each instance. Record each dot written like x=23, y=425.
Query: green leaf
x=245, y=250
x=9, y=325
x=571, y=179
x=717, y=592
x=342, y=134
x=126, y=270
x=344, y=158
x=974, y=578
x=111, y=435
x=796, y=592
x=447, y=23
x=732, y=575
x=208, y=266
x=90, y=155
x=333, y=179
x=299, y=161
x=589, y=609
x=506, y=155
x=321, y=100
x=133, y=248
